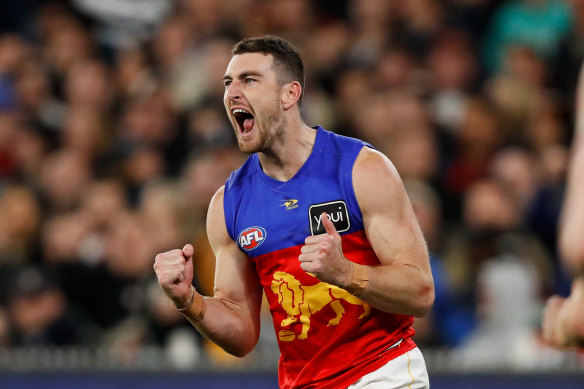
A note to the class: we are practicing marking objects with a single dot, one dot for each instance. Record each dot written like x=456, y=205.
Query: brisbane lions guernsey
x=328, y=338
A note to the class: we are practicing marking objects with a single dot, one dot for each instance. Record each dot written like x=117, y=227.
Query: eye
x=249, y=80
x=227, y=83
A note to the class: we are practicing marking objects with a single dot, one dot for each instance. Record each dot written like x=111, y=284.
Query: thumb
x=188, y=252
x=328, y=225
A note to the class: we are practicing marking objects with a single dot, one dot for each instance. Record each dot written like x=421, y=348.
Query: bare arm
x=571, y=243
x=563, y=318
x=403, y=283
x=231, y=318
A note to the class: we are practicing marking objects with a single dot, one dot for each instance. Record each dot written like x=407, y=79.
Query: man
x=563, y=319
x=342, y=305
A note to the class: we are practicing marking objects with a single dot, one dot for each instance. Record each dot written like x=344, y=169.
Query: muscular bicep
x=388, y=217
x=236, y=281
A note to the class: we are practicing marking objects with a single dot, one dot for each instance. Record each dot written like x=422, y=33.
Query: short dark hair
x=287, y=62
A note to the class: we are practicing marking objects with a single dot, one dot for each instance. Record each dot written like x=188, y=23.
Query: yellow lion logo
x=300, y=302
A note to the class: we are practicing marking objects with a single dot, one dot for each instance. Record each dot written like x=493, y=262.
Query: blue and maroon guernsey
x=328, y=338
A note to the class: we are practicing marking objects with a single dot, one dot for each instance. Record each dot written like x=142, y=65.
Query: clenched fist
x=174, y=270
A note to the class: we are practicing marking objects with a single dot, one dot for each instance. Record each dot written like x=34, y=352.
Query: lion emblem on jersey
x=300, y=302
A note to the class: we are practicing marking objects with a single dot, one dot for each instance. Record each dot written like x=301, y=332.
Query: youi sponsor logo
x=336, y=212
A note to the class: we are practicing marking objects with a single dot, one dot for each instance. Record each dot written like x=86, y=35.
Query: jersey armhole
x=348, y=187
x=228, y=210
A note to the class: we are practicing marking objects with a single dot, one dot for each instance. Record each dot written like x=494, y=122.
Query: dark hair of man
x=287, y=62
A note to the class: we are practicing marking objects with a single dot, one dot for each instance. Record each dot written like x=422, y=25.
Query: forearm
x=397, y=288
x=570, y=242
x=224, y=323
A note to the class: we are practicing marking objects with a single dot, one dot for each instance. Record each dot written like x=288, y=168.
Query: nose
x=233, y=92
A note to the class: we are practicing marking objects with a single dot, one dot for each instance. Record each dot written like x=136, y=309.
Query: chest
x=268, y=220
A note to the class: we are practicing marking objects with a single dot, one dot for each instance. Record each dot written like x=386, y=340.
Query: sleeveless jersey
x=328, y=338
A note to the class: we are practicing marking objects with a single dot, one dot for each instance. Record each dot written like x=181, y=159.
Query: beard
x=269, y=129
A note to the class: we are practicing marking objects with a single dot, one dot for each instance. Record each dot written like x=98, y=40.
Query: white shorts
x=408, y=371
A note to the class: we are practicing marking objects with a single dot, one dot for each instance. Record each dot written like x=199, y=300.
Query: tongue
x=248, y=125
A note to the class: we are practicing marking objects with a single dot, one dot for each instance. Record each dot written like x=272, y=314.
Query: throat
x=277, y=171
x=287, y=158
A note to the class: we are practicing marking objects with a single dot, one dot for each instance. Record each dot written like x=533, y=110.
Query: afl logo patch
x=251, y=238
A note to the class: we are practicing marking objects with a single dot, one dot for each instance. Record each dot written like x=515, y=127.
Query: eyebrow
x=243, y=75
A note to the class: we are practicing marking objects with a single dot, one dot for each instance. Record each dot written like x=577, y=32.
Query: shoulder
x=371, y=163
x=376, y=181
x=216, y=204
x=216, y=227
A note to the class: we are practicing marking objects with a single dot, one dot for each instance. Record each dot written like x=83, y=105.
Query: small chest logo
x=337, y=213
x=290, y=204
x=251, y=238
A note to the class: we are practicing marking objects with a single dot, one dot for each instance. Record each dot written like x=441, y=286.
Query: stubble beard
x=270, y=129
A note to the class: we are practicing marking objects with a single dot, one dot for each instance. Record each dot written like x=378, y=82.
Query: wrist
x=182, y=303
x=194, y=308
x=359, y=279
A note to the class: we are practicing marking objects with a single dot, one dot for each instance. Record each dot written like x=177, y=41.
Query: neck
x=283, y=160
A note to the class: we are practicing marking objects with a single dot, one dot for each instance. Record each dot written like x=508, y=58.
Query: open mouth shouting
x=245, y=121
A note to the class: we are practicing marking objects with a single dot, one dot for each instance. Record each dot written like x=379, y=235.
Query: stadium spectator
x=93, y=126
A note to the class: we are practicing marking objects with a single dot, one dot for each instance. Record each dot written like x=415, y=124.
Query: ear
x=291, y=93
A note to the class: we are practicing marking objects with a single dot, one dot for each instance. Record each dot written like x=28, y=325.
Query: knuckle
x=171, y=253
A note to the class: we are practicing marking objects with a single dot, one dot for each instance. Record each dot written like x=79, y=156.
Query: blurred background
x=113, y=138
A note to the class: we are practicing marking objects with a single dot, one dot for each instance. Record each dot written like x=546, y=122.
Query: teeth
x=239, y=110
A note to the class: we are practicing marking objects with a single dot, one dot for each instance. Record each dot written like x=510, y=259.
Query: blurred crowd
x=113, y=138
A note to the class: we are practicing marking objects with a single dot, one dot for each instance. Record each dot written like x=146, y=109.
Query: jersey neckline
x=301, y=175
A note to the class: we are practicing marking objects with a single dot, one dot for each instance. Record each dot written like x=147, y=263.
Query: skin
x=571, y=244
x=402, y=284
x=563, y=318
